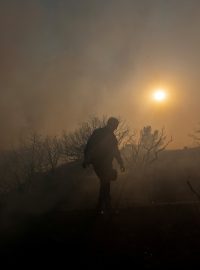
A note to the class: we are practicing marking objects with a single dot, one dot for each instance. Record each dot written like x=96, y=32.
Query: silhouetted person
x=100, y=150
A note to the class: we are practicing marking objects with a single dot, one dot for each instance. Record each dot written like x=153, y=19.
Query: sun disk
x=159, y=95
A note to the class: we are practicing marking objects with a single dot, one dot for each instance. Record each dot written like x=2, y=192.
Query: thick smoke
x=62, y=61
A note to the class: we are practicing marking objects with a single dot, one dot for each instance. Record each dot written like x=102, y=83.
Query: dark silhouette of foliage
x=146, y=149
x=73, y=144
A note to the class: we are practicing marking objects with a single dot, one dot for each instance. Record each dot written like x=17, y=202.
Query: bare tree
x=6, y=175
x=34, y=155
x=27, y=159
x=53, y=151
x=146, y=149
x=73, y=143
x=124, y=134
x=196, y=136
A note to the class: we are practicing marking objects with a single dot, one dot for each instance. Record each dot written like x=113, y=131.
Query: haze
x=62, y=61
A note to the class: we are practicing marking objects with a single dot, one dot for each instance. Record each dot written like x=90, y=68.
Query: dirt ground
x=148, y=236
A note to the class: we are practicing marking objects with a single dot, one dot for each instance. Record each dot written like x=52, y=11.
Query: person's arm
x=118, y=157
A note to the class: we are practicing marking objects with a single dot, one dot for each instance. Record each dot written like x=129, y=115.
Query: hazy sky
x=62, y=61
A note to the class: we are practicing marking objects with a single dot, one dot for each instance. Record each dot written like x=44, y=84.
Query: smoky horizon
x=63, y=61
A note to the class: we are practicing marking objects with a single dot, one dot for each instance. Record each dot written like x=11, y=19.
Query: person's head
x=112, y=123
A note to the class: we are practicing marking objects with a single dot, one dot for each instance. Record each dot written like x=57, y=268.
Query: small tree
x=123, y=134
x=27, y=159
x=53, y=151
x=73, y=143
x=6, y=175
x=196, y=136
x=146, y=149
x=34, y=155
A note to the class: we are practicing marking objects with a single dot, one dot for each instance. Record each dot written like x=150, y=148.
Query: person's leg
x=104, y=195
x=107, y=197
x=100, y=203
x=101, y=195
x=104, y=200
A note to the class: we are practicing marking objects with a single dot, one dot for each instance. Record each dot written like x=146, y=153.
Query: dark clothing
x=106, y=174
x=102, y=146
x=101, y=149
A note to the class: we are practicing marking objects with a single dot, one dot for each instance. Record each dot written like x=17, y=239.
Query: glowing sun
x=159, y=95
